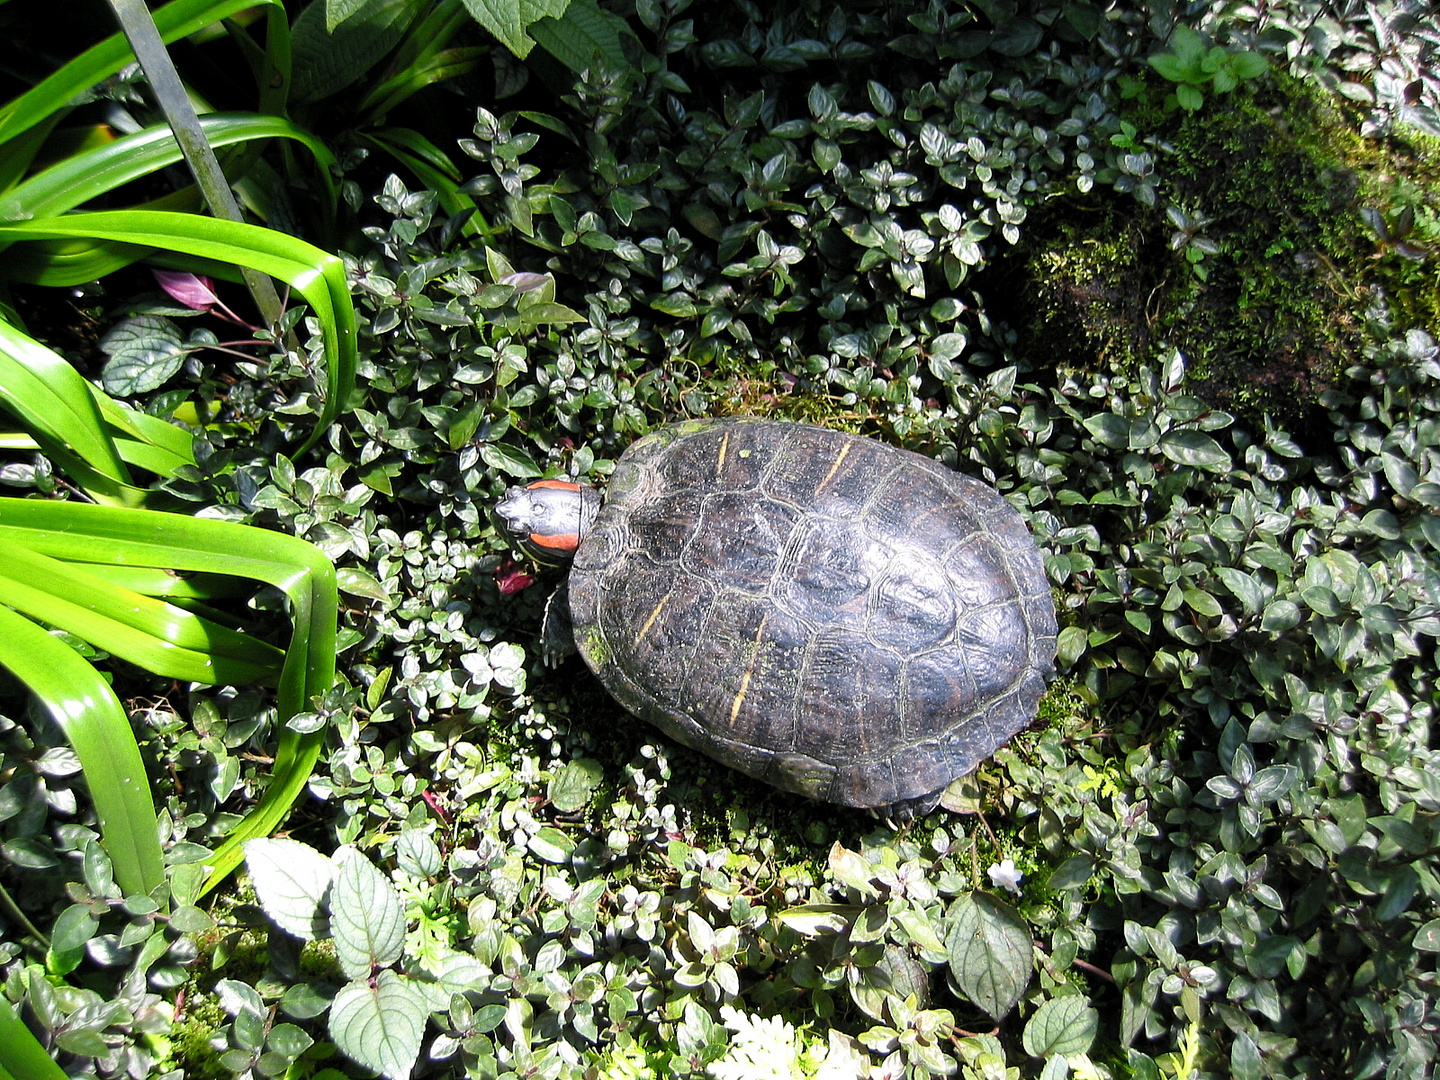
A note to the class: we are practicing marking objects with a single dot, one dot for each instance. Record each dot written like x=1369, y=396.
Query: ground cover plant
x=1214, y=852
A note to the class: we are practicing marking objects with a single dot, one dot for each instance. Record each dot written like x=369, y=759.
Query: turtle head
x=549, y=518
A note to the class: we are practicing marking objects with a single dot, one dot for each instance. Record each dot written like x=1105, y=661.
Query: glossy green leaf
x=174, y=21
x=379, y=1023
x=1194, y=448
x=95, y=534
x=1063, y=1025
x=990, y=951
x=509, y=20
x=75, y=180
x=21, y=1055
x=149, y=633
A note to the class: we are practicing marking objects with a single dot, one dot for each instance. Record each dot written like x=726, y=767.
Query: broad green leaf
x=1017, y=37
x=582, y=32
x=1202, y=602
x=1189, y=97
x=73, y=928
x=367, y=919
x=327, y=60
x=1272, y=782
x=1070, y=646
x=571, y=787
x=1245, y=1062
x=1244, y=587
x=1248, y=64
x=990, y=951
x=552, y=845
x=1169, y=66
x=509, y=20
x=508, y=459
x=1109, y=429
x=1072, y=873
x=292, y=880
x=380, y=1026
x=1280, y=616
x=1064, y=1025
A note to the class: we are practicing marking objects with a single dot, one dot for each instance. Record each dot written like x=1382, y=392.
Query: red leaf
x=510, y=578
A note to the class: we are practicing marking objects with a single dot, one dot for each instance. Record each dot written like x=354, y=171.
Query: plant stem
x=13, y=910
x=139, y=29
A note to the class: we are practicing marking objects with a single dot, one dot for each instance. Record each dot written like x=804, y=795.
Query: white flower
x=765, y=1049
x=1004, y=875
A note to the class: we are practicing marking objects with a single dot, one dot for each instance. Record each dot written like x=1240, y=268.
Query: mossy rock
x=1269, y=321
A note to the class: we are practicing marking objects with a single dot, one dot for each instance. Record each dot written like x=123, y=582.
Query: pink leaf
x=192, y=290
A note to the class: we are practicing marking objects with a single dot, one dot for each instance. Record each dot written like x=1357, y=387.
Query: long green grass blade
x=317, y=275
x=152, y=581
x=97, y=728
x=62, y=263
x=143, y=440
x=149, y=633
x=21, y=1055
x=76, y=180
x=100, y=534
x=56, y=407
x=174, y=21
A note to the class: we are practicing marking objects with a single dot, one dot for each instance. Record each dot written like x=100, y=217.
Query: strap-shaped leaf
x=149, y=633
x=81, y=177
x=56, y=407
x=317, y=275
x=100, y=534
x=95, y=724
x=174, y=21
x=23, y=1056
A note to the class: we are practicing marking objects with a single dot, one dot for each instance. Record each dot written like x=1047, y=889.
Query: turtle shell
x=830, y=614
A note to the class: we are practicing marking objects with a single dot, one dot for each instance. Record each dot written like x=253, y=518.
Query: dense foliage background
x=1164, y=274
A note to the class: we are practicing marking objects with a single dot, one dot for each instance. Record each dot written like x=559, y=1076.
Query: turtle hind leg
x=907, y=810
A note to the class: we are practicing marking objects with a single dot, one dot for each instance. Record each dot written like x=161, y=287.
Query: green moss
x=1269, y=321
x=1062, y=708
x=190, y=1047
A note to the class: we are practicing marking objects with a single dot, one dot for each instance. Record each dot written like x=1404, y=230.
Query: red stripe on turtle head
x=556, y=541
x=563, y=485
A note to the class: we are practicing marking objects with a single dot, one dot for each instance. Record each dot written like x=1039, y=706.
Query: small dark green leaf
x=73, y=928
x=1194, y=448
x=510, y=460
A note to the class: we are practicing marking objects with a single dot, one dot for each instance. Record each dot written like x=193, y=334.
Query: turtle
x=824, y=611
